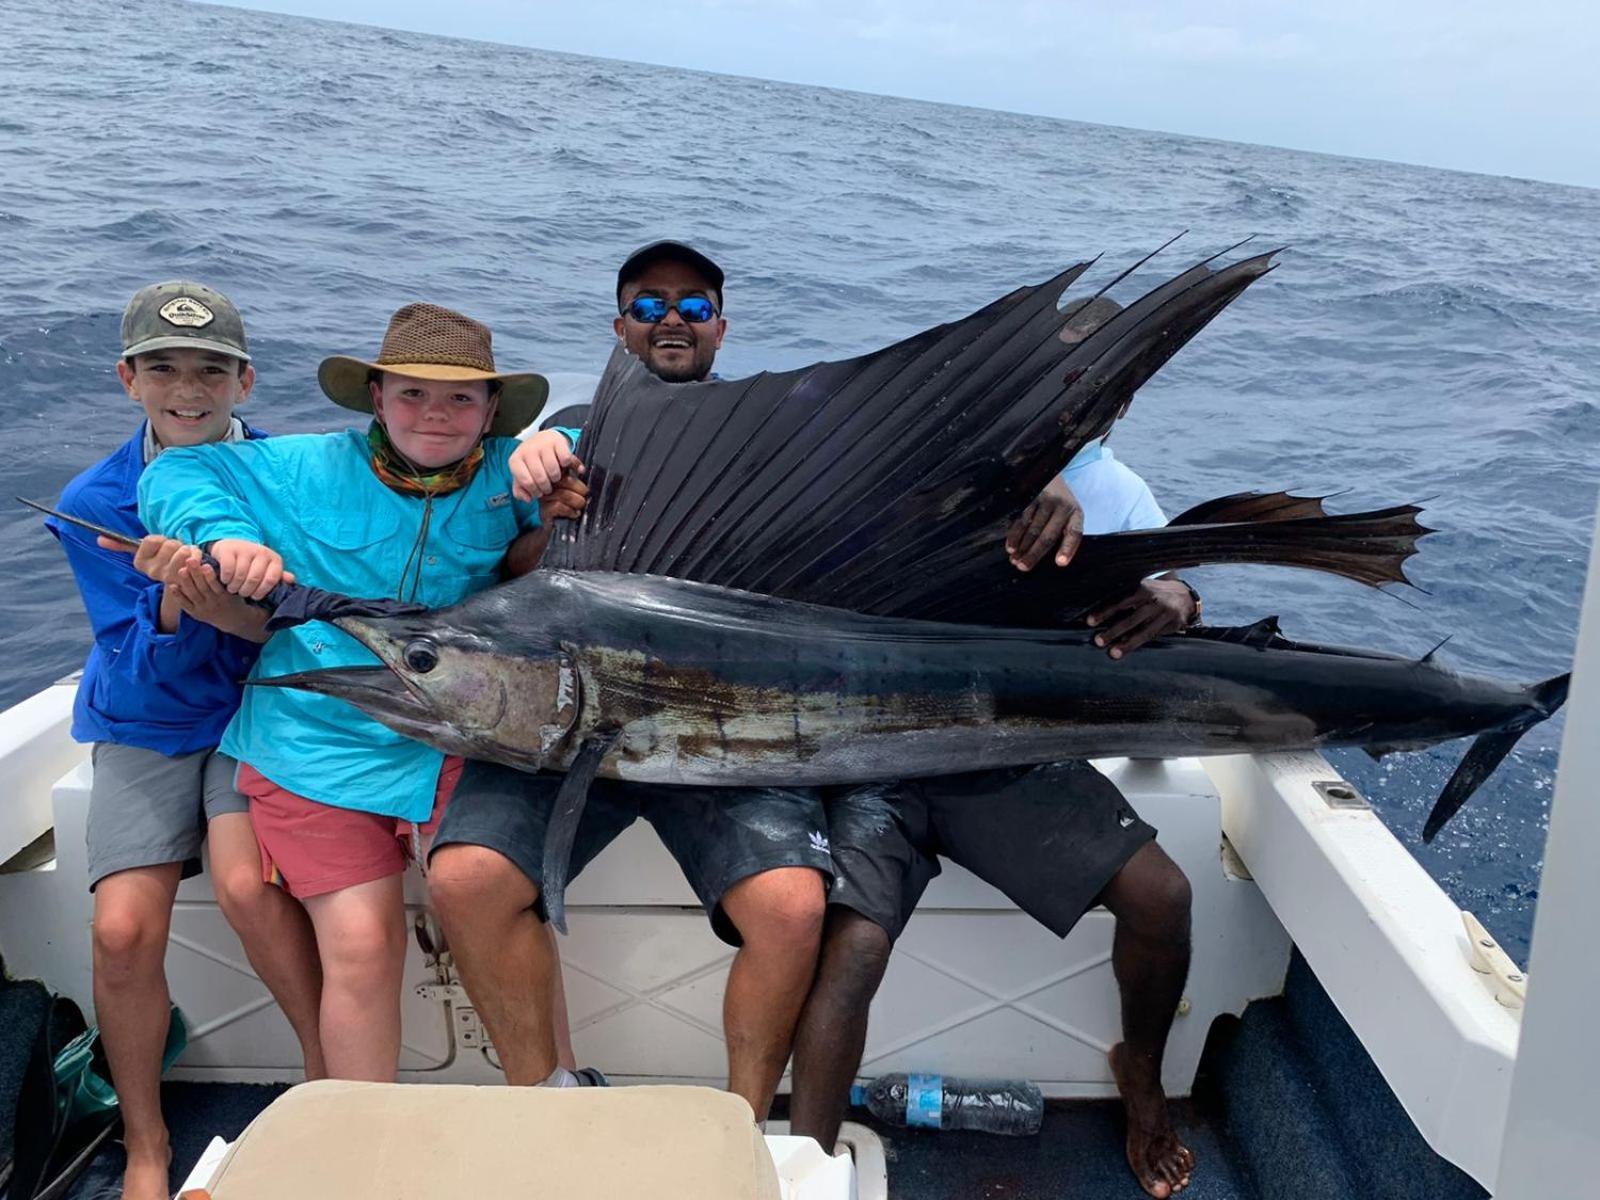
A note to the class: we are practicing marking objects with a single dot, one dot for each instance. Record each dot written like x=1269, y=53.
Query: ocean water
x=1428, y=334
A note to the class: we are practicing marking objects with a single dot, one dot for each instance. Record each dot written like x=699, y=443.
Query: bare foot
x=1160, y=1162
x=145, y=1177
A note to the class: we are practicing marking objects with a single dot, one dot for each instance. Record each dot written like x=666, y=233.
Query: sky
x=1500, y=88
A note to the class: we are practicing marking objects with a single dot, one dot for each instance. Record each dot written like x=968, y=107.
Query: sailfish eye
x=421, y=656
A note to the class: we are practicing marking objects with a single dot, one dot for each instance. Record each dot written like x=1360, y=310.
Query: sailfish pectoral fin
x=1252, y=506
x=1274, y=529
x=1369, y=547
x=562, y=831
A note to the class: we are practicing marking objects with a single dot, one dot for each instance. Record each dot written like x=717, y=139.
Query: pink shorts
x=311, y=849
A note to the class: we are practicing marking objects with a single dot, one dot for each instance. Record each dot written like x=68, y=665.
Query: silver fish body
x=709, y=685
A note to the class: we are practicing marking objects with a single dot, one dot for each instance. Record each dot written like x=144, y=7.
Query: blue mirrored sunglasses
x=647, y=310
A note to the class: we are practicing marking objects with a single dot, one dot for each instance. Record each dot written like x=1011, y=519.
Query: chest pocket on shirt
x=492, y=529
x=350, y=552
x=478, y=541
x=345, y=530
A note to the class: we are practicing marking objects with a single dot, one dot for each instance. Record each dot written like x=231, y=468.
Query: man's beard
x=694, y=372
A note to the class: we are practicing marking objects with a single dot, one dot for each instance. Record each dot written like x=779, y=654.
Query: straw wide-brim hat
x=426, y=341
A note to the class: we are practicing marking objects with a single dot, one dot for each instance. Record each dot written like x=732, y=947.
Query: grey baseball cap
x=181, y=315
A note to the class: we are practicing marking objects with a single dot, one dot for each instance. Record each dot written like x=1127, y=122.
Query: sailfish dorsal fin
x=876, y=482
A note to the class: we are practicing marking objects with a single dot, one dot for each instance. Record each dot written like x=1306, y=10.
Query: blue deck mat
x=196, y=1112
x=1077, y=1156
x=1309, y=1112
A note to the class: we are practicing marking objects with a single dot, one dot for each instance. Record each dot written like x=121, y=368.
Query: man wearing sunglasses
x=669, y=301
x=756, y=857
x=1057, y=838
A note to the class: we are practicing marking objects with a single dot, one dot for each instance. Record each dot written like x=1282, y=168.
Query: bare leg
x=1150, y=899
x=274, y=929
x=361, y=939
x=778, y=914
x=833, y=1023
x=506, y=956
x=132, y=916
x=558, y=1009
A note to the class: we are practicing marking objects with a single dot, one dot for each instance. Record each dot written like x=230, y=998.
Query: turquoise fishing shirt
x=314, y=499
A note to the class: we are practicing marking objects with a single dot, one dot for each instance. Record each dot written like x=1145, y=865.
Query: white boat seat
x=387, y=1141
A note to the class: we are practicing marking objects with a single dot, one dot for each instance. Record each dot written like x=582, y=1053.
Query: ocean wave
x=145, y=224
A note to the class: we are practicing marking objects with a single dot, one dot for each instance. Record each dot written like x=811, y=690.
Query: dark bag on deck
x=66, y=1107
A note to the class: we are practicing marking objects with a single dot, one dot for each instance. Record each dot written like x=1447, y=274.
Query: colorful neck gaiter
x=391, y=467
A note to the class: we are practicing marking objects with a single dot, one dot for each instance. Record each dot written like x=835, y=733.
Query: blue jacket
x=315, y=500
x=169, y=692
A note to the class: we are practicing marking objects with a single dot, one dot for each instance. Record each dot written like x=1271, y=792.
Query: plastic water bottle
x=1008, y=1106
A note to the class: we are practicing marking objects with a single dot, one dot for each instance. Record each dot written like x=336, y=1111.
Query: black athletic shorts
x=883, y=853
x=721, y=835
x=718, y=836
x=1050, y=837
x=508, y=811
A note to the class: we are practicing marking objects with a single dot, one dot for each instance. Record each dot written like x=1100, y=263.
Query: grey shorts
x=147, y=808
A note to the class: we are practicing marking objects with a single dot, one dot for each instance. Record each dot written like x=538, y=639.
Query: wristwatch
x=1198, y=606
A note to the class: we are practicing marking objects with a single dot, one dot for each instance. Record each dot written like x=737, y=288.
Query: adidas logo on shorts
x=819, y=841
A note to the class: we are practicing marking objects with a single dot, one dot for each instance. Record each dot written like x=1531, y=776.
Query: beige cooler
x=430, y=1142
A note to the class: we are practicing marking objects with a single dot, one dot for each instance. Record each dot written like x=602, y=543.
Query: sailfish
x=799, y=578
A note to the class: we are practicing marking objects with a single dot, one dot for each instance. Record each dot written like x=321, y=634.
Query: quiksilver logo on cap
x=186, y=311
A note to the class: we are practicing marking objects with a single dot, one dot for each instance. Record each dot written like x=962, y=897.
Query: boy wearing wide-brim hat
x=425, y=341
x=423, y=505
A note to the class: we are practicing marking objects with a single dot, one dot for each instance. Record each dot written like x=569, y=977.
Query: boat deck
x=1077, y=1156
x=1288, y=1105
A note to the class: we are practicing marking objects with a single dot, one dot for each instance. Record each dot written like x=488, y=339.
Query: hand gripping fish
x=798, y=578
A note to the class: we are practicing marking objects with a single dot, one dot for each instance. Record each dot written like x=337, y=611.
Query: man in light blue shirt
x=1056, y=839
x=1115, y=498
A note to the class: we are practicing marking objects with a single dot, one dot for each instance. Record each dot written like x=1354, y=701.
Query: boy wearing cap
x=160, y=684
x=420, y=506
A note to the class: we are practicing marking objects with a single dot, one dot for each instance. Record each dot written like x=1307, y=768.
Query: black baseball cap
x=634, y=265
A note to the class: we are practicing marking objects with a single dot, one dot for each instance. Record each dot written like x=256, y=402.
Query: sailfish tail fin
x=1490, y=749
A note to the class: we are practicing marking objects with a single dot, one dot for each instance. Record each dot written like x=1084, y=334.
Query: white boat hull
x=975, y=987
